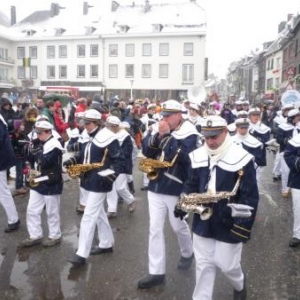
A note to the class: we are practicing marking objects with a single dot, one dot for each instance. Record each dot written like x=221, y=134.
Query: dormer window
x=157, y=27
x=29, y=32
x=59, y=31
x=123, y=28
x=89, y=30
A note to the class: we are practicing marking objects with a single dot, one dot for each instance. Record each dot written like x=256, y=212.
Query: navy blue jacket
x=7, y=156
x=284, y=134
x=127, y=149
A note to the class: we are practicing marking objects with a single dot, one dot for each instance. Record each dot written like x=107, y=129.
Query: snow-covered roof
x=186, y=18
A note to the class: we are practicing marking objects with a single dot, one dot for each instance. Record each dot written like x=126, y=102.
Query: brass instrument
x=194, y=202
x=150, y=166
x=75, y=171
x=31, y=176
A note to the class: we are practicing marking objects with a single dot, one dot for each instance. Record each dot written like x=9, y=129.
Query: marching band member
x=249, y=143
x=194, y=116
x=218, y=240
x=173, y=141
x=232, y=127
x=285, y=132
x=292, y=158
x=104, y=147
x=47, y=156
x=120, y=186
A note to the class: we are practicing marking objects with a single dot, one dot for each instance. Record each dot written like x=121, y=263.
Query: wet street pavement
x=272, y=267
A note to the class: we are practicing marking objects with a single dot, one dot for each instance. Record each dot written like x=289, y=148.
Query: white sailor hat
x=125, y=125
x=92, y=115
x=238, y=102
x=170, y=107
x=245, y=102
x=113, y=120
x=212, y=125
x=194, y=106
x=242, y=122
x=152, y=105
x=294, y=112
x=79, y=115
x=41, y=117
x=254, y=111
x=43, y=125
x=242, y=114
x=287, y=106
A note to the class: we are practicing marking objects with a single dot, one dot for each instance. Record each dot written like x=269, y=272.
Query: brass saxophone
x=194, y=202
x=150, y=166
x=74, y=171
x=31, y=176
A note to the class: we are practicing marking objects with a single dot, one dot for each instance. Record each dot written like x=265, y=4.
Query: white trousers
x=284, y=174
x=210, y=254
x=259, y=171
x=94, y=213
x=120, y=187
x=159, y=206
x=277, y=168
x=296, y=212
x=82, y=196
x=7, y=200
x=35, y=207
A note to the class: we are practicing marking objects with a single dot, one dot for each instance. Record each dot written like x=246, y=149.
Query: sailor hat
x=245, y=102
x=242, y=114
x=287, y=106
x=212, y=125
x=294, y=112
x=242, y=122
x=43, y=125
x=254, y=111
x=125, y=125
x=238, y=102
x=92, y=115
x=113, y=120
x=42, y=117
x=194, y=106
x=170, y=107
x=79, y=115
x=152, y=105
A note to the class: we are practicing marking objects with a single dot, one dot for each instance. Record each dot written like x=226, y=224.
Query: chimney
x=289, y=17
x=147, y=6
x=114, y=6
x=85, y=8
x=54, y=9
x=13, y=15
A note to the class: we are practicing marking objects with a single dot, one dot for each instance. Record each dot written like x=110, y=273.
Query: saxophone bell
x=152, y=175
x=205, y=212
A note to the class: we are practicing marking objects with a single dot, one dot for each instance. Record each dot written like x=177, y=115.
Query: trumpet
x=151, y=166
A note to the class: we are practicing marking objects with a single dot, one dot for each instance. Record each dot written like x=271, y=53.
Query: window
x=146, y=71
x=278, y=62
x=21, y=52
x=269, y=83
x=94, y=50
x=147, y=49
x=113, y=50
x=188, y=49
x=33, y=52
x=81, y=51
x=276, y=82
x=94, y=71
x=129, y=70
x=50, y=51
x=63, y=71
x=3, y=53
x=21, y=72
x=113, y=71
x=33, y=72
x=63, y=51
x=50, y=72
x=163, y=71
x=129, y=50
x=187, y=73
x=163, y=49
x=81, y=71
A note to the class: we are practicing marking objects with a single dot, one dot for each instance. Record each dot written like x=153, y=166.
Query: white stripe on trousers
x=210, y=254
x=35, y=207
x=7, y=200
x=159, y=206
x=94, y=214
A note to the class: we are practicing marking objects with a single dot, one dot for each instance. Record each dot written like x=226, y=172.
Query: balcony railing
x=7, y=60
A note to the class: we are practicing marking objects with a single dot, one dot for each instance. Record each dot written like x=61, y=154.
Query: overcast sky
x=234, y=27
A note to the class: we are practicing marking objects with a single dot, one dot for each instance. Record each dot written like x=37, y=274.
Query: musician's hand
x=163, y=128
x=178, y=213
x=67, y=163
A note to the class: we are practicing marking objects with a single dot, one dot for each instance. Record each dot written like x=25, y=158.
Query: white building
x=149, y=50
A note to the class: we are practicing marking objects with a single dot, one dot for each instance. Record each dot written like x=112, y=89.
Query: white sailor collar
x=104, y=137
x=286, y=126
x=260, y=128
x=84, y=137
x=295, y=141
x=122, y=135
x=51, y=144
x=231, y=163
x=186, y=129
x=249, y=141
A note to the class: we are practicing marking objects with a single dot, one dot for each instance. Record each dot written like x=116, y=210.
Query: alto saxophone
x=31, y=176
x=150, y=166
x=76, y=170
x=194, y=202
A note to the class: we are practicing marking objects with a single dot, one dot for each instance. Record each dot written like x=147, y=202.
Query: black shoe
x=131, y=187
x=77, y=260
x=151, y=281
x=241, y=295
x=294, y=242
x=185, y=263
x=145, y=188
x=275, y=178
x=97, y=250
x=12, y=227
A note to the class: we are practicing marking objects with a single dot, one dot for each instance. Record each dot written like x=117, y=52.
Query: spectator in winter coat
x=48, y=111
x=8, y=114
x=60, y=125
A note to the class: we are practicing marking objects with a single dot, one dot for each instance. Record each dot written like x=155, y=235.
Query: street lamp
x=131, y=84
